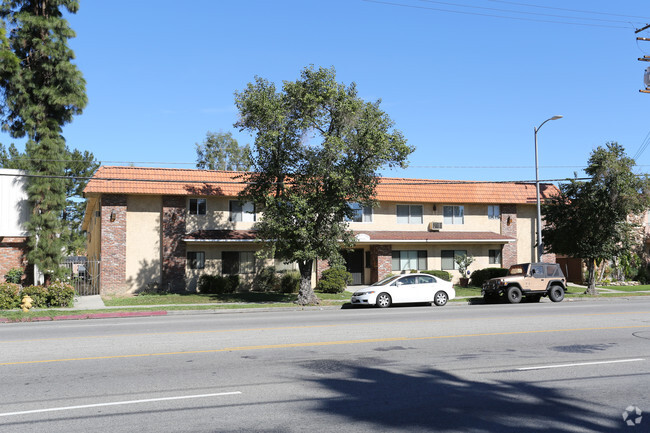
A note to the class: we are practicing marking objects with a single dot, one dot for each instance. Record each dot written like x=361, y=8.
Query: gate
x=83, y=275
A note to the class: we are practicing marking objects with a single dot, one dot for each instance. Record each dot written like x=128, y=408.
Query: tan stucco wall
x=385, y=218
x=526, y=227
x=93, y=237
x=143, y=241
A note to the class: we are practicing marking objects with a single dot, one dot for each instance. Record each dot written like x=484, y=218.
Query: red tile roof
x=191, y=182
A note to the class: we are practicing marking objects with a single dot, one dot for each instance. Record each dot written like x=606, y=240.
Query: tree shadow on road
x=434, y=400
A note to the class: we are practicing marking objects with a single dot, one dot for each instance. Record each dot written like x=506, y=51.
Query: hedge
x=440, y=274
x=480, y=276
x=58, y=294
x=334, y=280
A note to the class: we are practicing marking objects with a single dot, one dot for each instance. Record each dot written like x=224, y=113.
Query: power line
x=494, y=15
x=569, y=10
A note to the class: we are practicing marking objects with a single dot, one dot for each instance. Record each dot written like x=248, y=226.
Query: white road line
x=580, y=363
x=116, y=403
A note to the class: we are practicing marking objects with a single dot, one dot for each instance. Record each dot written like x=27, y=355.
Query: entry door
x=354, y=265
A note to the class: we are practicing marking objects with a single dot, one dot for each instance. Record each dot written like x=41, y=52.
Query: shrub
x=39, y=295
x=480, y=276
x=266, y=280
x=9, y=296
x=290, y=282
x=440, y=274
x=218, y=284
x=60, y=294
x=14, y=275
x=334, y=280
x=643, y=275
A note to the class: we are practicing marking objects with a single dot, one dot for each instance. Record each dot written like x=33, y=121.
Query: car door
x=427, y=287
x=405, y=290
x=538, y=281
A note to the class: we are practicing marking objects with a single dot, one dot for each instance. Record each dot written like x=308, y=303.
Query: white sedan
x=404, y=289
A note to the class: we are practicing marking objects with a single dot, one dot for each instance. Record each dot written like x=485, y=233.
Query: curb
x=86, y=316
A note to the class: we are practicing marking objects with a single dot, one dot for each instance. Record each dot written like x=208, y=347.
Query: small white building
x=14, y=214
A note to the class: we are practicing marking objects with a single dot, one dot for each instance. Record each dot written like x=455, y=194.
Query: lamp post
x=540, y=245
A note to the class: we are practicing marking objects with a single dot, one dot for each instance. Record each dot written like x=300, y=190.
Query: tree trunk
x=306, y=295
x=591, y=279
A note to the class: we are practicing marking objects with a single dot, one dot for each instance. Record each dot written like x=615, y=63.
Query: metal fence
x=83, y=275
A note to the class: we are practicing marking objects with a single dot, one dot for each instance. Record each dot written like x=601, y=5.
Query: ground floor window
x=196, y=259
x=495, y=257
x=449, y=258
x=281, y=266
x=409, y=259
x=237, y=262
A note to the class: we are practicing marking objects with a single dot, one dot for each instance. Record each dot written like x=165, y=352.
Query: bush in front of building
x=38, y=294
x=14, y=275
x=290, y=282
x=60, y=294
x=266, y=280
x=440, y=274
x=9, y=296
x=218, y=284
x=480, y=276
x=334, y=280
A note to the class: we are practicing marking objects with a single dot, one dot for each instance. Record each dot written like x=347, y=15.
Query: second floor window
x=361, y=214
x=453, y=214
x=198, y=206
x=494, y=212
x=242, y=211
x=409, y=214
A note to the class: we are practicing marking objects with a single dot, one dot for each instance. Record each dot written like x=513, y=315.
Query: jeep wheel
x=514, y=295
x=556, y=293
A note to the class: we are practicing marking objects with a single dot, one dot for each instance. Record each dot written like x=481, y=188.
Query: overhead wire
x=412, y=6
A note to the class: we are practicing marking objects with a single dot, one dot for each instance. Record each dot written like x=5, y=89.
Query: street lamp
x=540, y=245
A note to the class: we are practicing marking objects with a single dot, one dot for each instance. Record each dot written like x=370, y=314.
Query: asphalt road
x=573, y=366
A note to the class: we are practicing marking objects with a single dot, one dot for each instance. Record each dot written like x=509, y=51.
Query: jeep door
x=538, y=281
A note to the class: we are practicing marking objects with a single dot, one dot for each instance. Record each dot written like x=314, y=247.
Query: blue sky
x=465, y=85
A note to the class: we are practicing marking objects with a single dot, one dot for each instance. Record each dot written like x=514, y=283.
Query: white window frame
x=453, y=214
x=361, y=214
x=409, y=217
x=242, y=211
x=194, y=206
x=494, y=211
x=409, y=259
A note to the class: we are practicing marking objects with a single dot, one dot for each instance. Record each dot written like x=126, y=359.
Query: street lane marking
x=321, y=343
x=580, y=364
x=116, y=403
x=337, y=325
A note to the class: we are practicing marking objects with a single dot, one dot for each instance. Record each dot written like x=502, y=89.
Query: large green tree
x=318, y=147
x=42, y=90
x=221, y=151
x=591, y=220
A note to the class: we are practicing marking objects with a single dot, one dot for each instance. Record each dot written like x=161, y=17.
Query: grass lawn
x=197, y=298
x=627, y=288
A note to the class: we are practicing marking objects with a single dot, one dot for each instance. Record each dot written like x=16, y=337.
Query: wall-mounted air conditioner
x=434, y=226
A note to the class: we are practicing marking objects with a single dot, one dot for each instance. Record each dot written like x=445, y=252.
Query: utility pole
x=646, y=75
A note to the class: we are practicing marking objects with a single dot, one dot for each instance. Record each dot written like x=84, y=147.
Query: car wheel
x=514, y=295
x=556, y=293
x=383, y=300
x=440, y=298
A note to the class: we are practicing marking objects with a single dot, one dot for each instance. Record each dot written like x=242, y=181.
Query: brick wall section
x=173, y=248
x=112, y=278
x=381, y=262
x=509, y=251
x=13, y=251
x=321, y=265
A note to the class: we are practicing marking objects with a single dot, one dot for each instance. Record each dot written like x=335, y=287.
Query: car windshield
x=386, y=281
x=518, y=270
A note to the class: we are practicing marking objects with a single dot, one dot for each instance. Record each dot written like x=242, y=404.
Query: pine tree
x=42, y=90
